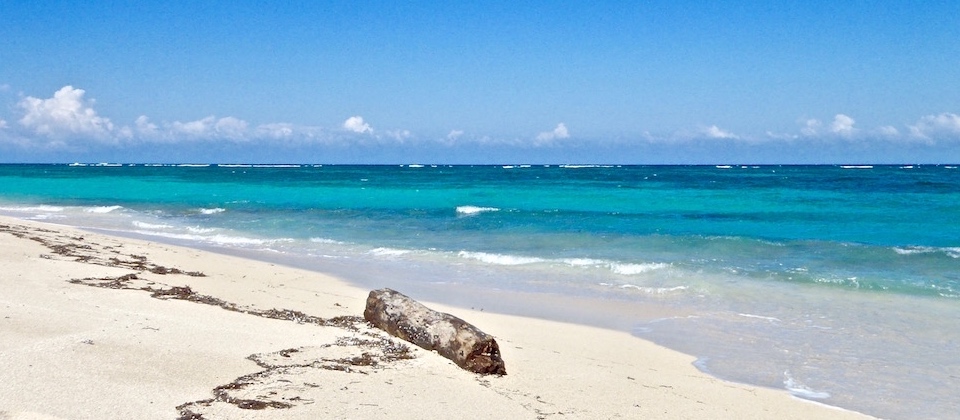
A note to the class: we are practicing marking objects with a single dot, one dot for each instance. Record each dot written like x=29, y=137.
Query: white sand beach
x=101, y=327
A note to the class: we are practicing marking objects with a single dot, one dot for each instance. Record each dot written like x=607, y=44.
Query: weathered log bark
x=450, y=336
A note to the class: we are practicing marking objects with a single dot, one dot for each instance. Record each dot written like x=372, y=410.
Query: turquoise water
x=840, y=284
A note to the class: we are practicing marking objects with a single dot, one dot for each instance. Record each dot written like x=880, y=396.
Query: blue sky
x=489, y=82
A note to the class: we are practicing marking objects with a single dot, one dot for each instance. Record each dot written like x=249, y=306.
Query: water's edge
x=600, y=312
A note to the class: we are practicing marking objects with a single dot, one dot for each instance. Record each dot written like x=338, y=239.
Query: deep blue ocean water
x=840, y=284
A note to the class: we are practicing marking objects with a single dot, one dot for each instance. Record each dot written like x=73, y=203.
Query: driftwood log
x=450, y=336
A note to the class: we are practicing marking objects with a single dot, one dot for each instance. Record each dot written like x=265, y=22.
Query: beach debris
x=69, y=248
x=451, y=337
x=298, y=376
x=168, y=292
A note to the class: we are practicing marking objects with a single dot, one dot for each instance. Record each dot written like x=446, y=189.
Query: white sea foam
x=143, y=225
x=669, y=318
x=240, y=240
x=415, y=166
x=801, y=390
x=212, y=211
x=198, y=229
x=849, y=281
x=584, y=262
x=472, y=210
x=856, y=166
x=952, y=252
x=912, y=250
x=44, y=217
x=724, y=167
x=325, y=241
x=499, y=259
x=625, y=269
x=767, y=318
x=632, y=269
x=654, y=290
x=388, y=252
x=102, y=209
x=193, y=165
x=43, y=208
x=215, y=239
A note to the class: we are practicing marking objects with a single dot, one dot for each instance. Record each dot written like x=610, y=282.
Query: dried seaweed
x=378, y=350
x=188, y=294
x=77, y=248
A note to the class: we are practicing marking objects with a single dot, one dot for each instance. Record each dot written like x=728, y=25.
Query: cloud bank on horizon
x=658, y=81
x=68, y=120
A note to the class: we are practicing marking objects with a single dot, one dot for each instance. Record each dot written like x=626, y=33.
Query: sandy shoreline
x=93, y=326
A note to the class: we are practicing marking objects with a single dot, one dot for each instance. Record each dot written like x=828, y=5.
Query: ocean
x=839, y=284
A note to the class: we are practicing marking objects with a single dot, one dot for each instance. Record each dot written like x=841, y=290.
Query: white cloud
x=210, y=127
x=936, y=126
x=888, y=131
x=231, y=128
x=400, y=134
x=144, y=127
x=781, y=136
x=276, y=130
x=65, y=114
x=715, y=132
x=356, y=125
x=811, y=127
x=843, y=125
x=199, y=128
x=124, y=133
x=293, y=134
x=3, y=123
x=560, y=132
x=67, y=119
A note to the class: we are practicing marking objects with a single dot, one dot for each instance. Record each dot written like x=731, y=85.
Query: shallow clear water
x=839, y=284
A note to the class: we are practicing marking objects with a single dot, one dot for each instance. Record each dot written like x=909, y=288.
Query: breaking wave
x=102, y=209
x=472, y=210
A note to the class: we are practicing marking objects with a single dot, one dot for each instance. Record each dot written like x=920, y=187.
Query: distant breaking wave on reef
x=473, y=210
